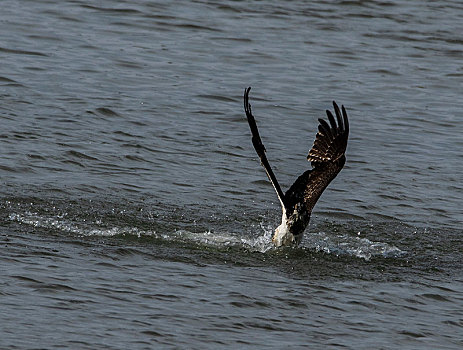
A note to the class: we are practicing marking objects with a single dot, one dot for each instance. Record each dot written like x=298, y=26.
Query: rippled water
x=134, y=213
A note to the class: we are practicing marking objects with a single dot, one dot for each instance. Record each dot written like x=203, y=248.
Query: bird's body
x=327, y=159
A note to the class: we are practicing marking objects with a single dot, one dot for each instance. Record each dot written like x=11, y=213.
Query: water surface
x=135, y=214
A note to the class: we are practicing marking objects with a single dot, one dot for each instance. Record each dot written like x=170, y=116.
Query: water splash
x=63, y=225
x=340, y=244
x=262, y=243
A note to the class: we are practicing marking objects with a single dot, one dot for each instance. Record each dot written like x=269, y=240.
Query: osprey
x=327, y=158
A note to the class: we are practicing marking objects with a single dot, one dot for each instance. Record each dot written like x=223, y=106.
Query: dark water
x=135, y=215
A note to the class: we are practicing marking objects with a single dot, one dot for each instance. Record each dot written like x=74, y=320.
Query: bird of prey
x=327, y=158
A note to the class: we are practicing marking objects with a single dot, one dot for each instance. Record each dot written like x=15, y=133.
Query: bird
x=327, y=158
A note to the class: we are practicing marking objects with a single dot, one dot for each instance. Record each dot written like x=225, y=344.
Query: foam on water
x=60, y=224
x=343, y=244
x=340, y=244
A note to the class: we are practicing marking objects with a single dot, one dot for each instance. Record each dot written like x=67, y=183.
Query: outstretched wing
x=331, y=140
x=327, y=159
x=260, y=149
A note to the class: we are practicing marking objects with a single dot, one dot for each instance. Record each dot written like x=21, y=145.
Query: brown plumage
x=327, y=157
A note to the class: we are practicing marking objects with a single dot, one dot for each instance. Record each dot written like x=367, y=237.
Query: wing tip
x=331, y=139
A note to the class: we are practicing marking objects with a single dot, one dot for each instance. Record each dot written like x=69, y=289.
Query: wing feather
x=327, y=159
x=260, y=149
x=326, y=156
x=338, y=116
x=331, y=119
x=331, y=140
